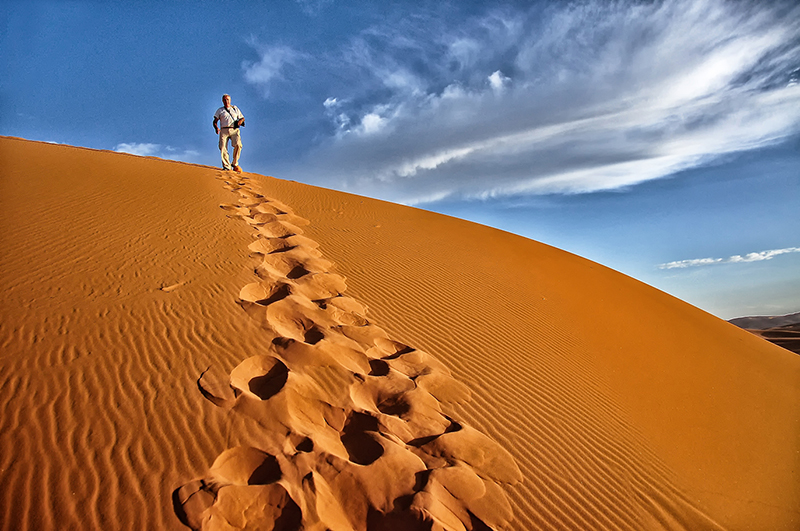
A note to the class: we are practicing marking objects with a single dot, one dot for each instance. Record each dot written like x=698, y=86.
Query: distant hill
x=783, y=330
x=764, y=322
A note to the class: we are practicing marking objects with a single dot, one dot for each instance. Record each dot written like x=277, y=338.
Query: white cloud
x=750, y=257
x=430, y=162
x=141, y=149
x=376, y=120
x=271, y=65
x=498, y=81
x=763, y=255
x=372, y=123
x=604, y=95
x=157, y=150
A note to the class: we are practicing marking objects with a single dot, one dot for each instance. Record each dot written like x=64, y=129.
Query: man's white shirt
x=228, y=116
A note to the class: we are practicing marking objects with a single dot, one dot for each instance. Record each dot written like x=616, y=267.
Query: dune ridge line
x=351, y=432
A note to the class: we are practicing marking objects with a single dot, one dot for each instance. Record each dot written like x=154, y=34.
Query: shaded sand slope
x=123, y=281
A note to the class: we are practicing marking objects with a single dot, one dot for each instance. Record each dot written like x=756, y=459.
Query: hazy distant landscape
x=783, y=330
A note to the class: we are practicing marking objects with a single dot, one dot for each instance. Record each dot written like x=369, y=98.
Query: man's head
x=226, y=100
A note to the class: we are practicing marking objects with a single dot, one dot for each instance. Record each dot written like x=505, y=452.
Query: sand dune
x=181, y=346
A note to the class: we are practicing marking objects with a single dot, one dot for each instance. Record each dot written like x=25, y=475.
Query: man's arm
x=216, y=129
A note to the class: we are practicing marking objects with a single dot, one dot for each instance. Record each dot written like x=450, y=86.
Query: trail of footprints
x=351, y=435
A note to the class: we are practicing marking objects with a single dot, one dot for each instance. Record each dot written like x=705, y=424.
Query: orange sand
x=364, y=366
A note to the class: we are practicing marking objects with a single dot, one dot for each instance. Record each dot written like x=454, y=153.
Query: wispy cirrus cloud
x=566, y=98
x=144, y=149
x=735, y=259
x=313, y=7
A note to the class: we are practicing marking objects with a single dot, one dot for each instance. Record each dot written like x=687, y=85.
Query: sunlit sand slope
x=118, y=277
x=623, y=407
x=307, y=357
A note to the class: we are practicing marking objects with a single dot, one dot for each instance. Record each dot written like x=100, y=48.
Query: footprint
x=265, y=293
x=266, y=208
x=378, y=368
x=270, y=245
x=321, y=286
x=261, y=376
x=261, y=219
x=216, y=387
x=291, y=264
x=357, y=438
x=245, y=465
x=244, y=211
x=394, y=405
x=278, y=229
x=268, y=385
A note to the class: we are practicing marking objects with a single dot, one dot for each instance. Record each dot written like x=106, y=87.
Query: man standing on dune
x=230, y=119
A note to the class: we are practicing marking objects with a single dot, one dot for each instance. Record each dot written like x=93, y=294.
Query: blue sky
x=661, y=139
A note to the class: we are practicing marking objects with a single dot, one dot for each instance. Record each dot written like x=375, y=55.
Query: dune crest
x=351, y=433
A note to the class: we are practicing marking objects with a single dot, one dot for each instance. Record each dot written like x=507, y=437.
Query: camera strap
x=233, y=120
